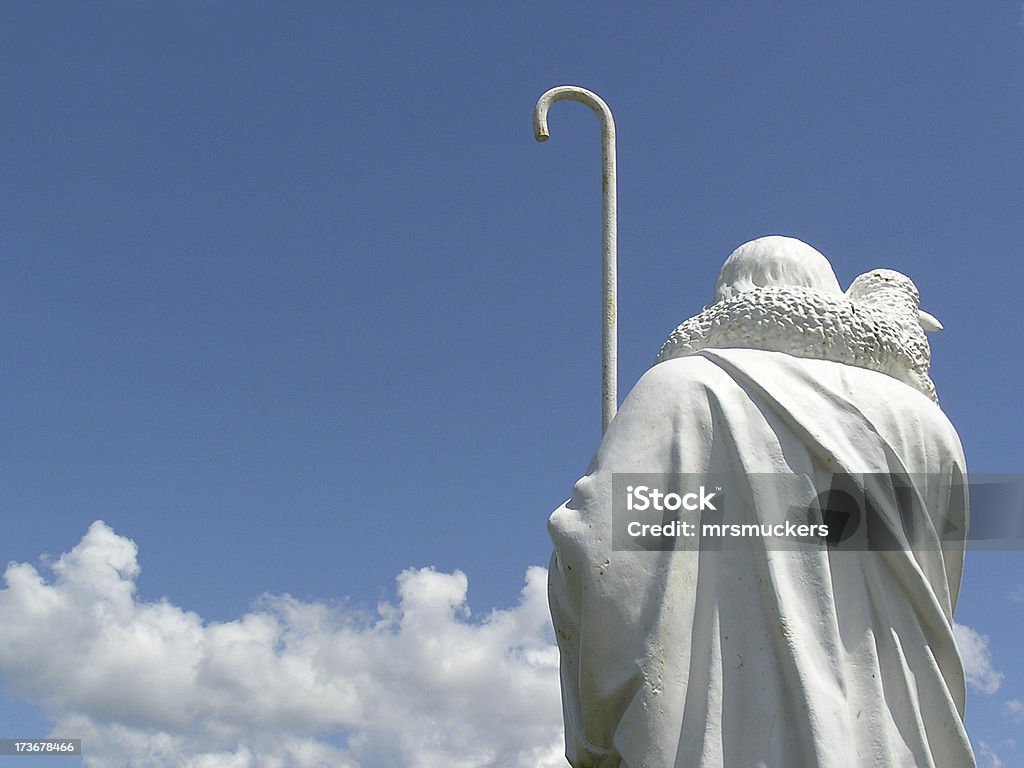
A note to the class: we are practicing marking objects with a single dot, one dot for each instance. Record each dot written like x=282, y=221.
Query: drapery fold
x=748, y=655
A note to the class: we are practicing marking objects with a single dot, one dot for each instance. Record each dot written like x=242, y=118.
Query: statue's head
x=775, y=260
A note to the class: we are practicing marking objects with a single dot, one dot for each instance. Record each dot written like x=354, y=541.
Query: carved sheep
x=876, y=324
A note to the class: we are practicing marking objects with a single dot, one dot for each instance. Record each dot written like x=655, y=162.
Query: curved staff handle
x=609, y=311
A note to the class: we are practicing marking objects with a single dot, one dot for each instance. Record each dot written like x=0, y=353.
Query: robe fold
x=749, y=655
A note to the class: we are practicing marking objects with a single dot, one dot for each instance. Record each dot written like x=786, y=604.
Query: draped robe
x=747, y=655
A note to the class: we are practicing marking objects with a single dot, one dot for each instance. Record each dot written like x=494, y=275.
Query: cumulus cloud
x=981, y=675
x=420, y=684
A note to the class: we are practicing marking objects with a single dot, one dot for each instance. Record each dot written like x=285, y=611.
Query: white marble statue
x=746, y=654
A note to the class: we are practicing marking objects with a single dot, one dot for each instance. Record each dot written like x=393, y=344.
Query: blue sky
x=293, y=300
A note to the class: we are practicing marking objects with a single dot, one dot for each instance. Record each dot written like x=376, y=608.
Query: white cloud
x=992, y=759
x=981, y=674
x=288, y=684
x=1017, y=594
x=1015, y=710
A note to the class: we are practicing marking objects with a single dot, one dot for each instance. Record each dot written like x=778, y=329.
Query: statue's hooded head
x=775, y=260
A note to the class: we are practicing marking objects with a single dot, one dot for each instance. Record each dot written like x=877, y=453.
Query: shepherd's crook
x=609, y=310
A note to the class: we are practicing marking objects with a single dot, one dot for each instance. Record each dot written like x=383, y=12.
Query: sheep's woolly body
x=875, y=325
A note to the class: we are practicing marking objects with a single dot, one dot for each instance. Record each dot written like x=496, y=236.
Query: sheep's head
x=896, y=292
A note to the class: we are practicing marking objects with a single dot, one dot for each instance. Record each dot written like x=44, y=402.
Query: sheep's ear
x=929, y=322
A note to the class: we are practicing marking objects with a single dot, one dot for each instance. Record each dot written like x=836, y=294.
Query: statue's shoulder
x=681, y=385
x=692, y=374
